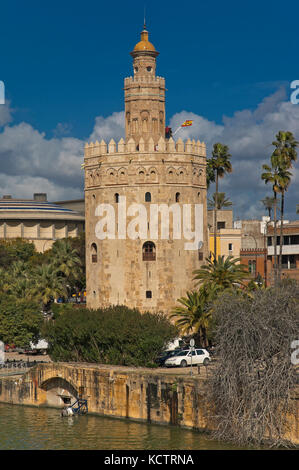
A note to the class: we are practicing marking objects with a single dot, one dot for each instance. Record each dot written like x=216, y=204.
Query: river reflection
x=29, y=428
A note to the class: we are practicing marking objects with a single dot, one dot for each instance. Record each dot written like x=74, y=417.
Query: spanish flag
x=187, y=123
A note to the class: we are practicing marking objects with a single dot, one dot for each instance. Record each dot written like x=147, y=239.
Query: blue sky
x=228, y=64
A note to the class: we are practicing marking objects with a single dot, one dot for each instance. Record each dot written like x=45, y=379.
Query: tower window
x=116, y=198
x=149, y=251
x=148, y=69
x=148, y=294
x=94, y=253
x=148, y=197
x=177, y=197
x=136, y=69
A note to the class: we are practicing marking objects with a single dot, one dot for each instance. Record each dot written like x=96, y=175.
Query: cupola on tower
x=137, y=196
x=144, y=94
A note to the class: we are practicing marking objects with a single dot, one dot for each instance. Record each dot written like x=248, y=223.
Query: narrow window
x=148, y=294
x=148, y=197
x=116, y=198
x=177, y=197
x=230, y=247
x=94, y=253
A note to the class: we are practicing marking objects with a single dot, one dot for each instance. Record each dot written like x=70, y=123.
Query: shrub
x=115, y=335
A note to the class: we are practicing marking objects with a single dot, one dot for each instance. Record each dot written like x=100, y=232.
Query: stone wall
x=140, y=394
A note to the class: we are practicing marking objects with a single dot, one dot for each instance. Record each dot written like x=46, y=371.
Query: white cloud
x=30, y=162
x=249, y=135
x=5, y=113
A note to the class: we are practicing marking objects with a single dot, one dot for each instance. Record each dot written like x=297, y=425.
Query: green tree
x=115, y=335
x=20, y=321
x=268, y=204
x=220, y=274
x=220, y=163
x=222, y=201
x=47, y=284
x=64, y=258
x=194, y=314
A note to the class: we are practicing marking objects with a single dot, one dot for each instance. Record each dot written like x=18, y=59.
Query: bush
x=115, y=335
x=20, y=321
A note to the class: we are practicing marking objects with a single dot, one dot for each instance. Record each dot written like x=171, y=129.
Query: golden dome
x=144, y=45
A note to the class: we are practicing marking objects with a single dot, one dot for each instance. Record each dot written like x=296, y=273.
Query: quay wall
x=146, y=395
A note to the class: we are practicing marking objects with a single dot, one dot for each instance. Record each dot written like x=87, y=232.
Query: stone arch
x=181, y=172
x=141, y=175
x=171, y=175
x=144, y=121
x=111, y=175
x=153, y=175
x=56, y=388
x=122, y=175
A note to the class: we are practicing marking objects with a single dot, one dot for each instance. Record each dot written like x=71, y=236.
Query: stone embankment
x=155, y=396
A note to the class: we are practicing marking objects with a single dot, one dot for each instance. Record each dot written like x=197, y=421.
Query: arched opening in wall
x=149, y=251
x=148, y=197
x=198, y=195
x=177, y=197
x=116, y=198
x=94, y=253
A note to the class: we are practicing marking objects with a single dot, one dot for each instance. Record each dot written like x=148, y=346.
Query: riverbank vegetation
x=116, y=335
x=30, y=281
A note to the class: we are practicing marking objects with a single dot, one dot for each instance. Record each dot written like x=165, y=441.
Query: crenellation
x=96, y=149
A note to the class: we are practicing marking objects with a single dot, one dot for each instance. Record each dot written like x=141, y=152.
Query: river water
x=30, y=428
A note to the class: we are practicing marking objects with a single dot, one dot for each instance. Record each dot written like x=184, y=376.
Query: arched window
x=177, y=197
x=116, y=198
x=148, y=197
x=149, y=251
x=94, y=253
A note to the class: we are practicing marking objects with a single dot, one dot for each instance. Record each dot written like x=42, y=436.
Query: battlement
x=144, y=79
x=164, y=145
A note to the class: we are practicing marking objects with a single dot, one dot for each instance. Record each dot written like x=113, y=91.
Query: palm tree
x=47, y=284
x=221, y=273
x=271, y=176
x=65, y=259
x=283, y=156
x=210, y=173
x=222, y=201
x=281, y=161
x=268, y=204
x=194, y=314
x=220, y=163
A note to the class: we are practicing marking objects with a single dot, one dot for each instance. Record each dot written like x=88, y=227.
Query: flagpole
x=176, y=130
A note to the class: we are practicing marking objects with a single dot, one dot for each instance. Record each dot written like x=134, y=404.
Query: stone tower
x=145, y=95
x=146, y=216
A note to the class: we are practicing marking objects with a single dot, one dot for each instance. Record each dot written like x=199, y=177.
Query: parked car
x=183, y=358
x=165, y=355
x=40, y=348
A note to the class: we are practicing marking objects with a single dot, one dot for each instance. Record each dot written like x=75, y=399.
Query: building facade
x=290, y=249
x=228, y=238
x=159, y=180
x=38, y=221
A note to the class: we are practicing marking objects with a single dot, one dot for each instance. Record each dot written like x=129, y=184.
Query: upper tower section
x=144, y=94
